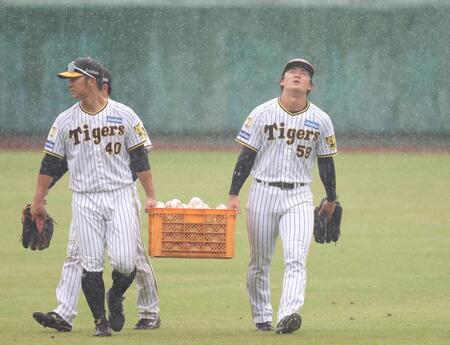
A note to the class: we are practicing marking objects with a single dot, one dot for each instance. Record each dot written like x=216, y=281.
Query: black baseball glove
x=324, y=230
x=36, y=234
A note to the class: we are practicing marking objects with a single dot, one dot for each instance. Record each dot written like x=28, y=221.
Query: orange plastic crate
x=191, y=233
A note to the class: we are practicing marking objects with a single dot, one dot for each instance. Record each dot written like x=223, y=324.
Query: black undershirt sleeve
x=53, y=166
x=60, y=172
x=139, y=160
x=327, y=174
x=243, y=167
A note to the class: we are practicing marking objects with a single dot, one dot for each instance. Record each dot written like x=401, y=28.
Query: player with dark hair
x=101, y=139
x=67, y=292
x=281, y=140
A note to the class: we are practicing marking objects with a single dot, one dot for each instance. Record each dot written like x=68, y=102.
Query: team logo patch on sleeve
x=312, y=124
x=249, y=122
x=244, y=135
x=140, y=130
x=49, y=145
x=331, y=142
x=114, y=119
x=53, y=132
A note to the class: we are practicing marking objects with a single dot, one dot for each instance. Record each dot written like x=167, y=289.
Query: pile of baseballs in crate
x=195, y=202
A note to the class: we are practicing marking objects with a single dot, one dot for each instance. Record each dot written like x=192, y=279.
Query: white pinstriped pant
x=106, y=220
x=272, y=211
x=67, y=292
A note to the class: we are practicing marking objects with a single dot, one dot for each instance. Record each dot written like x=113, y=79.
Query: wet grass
x=385, y=282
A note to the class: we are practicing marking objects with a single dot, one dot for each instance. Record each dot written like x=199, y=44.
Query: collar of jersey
x=297, y=112
x=89, y=113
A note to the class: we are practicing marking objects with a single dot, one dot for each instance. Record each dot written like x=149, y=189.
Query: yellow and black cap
x=83, y=66
x=299, y=63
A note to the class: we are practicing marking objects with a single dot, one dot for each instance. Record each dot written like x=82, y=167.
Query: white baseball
x=160, y=204
x=174, y=203
x=221, y=207
x=194, y=202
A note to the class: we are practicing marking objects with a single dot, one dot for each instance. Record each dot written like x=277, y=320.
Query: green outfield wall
x=380, y=70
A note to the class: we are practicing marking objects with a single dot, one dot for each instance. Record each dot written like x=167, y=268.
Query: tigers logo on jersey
x=96, y=133
x=140, y=130
x=279, y=131
x=331, y=142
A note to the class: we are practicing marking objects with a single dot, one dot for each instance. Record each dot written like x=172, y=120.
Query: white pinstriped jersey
x=97, y=145
x=287, y=143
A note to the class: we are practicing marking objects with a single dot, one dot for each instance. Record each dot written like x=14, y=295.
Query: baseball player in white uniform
x=281, y=140
x=67, y=292
x=101, y=139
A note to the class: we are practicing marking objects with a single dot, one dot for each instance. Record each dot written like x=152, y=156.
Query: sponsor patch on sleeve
x=140, y=130
x=244, y=135
x=331, y=142
x=114, y=119
x=49, y=145
x=312, y=124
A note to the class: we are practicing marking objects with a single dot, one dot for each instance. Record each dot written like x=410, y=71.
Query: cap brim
x=301, y=64
x=68, y=75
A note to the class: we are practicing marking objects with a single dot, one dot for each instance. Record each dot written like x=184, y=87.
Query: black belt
x=282, y=185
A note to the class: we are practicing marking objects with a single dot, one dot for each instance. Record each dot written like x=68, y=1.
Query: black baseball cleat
x=52, y=320
x=289, y=324
x=264, y=326
x=102, y=328
x=148, y=324
x=116, y=315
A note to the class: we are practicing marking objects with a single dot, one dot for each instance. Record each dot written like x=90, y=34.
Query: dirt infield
x=360, y=143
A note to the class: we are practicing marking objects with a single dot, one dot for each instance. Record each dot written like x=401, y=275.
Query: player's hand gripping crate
x=192, y=233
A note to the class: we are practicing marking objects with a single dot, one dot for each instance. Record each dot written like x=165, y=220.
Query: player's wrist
x=151, y=196
x=39, y=198
x=331, y=196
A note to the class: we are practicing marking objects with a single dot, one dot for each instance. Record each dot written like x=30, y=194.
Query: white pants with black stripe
x=273, y=212
x=67, y=292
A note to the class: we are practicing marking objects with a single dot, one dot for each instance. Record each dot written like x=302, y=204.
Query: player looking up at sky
x=281, y=140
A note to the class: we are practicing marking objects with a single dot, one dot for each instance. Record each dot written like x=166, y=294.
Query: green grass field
x=387, y=281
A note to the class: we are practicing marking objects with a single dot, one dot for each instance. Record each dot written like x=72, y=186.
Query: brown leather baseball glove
x=36, y=234
x=324, y=230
